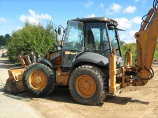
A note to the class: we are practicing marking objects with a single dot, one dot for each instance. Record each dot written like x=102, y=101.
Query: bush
x=31, y=38
x=133, y=47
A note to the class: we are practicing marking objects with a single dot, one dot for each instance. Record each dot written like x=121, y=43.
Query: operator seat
x=90, y=43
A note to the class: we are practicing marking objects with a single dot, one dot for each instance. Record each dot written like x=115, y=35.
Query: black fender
x=90, y=58
x=45, y=62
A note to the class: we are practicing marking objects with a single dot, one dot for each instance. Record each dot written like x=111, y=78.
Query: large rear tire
x=88, y=85
x=39, y=80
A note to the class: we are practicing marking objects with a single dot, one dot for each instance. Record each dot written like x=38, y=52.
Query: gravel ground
x=132, y=102
x=13, y=106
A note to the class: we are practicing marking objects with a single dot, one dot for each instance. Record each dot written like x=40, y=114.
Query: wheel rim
x=85, y=86
x=37, y=80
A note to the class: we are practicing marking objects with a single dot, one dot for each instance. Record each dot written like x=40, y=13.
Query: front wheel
x=39, y=79
x=88, y=85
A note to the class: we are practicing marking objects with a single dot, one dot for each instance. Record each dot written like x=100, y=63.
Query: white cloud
x=2, y=20
x=133, y=32
x=123, y=23
x=129, y=9
x=136, y=20
x=114, y=8
x=127, y=37
x=117, y=8
x=88, y=4
x=34, y=18
x=92, y=15
x=18, y=27
x=127, y=23
x=136, y=0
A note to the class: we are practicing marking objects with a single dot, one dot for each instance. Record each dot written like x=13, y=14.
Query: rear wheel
x=88, y=85
x=39, y=80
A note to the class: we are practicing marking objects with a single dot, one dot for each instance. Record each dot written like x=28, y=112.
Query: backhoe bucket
x=14, y=83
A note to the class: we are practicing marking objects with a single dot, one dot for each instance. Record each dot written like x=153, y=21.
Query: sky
x=128, y=13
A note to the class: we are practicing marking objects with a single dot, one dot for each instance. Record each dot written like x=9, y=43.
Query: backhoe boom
x=146, y=40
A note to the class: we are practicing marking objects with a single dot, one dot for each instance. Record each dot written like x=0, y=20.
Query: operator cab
x=97, y=35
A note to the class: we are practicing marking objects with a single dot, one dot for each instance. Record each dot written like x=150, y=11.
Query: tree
x=4, y=39
x=31, y=38
x=1, y=40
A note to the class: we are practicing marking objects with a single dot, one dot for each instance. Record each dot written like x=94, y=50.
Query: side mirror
x=64, y=31
x=59, y=30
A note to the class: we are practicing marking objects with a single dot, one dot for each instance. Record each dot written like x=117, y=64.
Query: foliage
x=125, y=47
x=156, y=52
x=4, y=39
x=31, y=38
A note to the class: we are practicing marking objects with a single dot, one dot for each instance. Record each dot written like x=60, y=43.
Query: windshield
x=96, y=38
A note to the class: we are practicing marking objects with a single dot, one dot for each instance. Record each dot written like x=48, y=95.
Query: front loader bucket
x=14, y=83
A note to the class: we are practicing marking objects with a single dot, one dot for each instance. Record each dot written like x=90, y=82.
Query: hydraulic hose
x=155, y=4
x=151, y=72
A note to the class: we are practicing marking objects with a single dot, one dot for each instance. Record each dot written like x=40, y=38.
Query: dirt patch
x=132, y=102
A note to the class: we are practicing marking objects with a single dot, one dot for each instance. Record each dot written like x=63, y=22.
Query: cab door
x=73, y=42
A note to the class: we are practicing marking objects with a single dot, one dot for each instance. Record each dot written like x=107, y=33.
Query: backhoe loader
x=89, y=60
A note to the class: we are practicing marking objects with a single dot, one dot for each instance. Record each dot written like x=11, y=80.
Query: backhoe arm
x=146, y=40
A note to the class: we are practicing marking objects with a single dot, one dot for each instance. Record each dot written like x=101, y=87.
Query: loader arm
x=146, y=39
